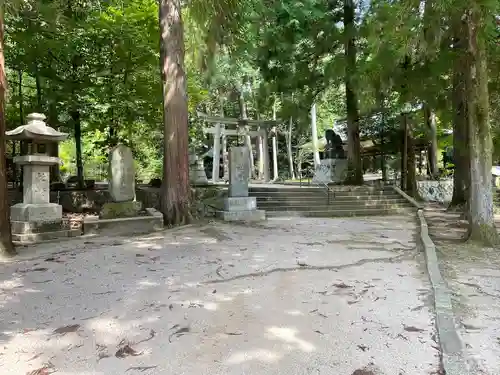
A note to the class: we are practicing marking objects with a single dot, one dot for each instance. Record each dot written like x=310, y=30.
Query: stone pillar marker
x=216, y=153
x=238, y=206
x=121, y=179
x=265, y=146
x=36, y=218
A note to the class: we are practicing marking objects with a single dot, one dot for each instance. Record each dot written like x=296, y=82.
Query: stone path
x=473, y=274
x=289, y=296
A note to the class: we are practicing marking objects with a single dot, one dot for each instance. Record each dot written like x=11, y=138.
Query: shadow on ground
x=315, y=296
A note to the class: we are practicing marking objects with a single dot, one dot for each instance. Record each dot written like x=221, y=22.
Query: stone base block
x=46, y=212
x=115, y=210
x=240, y=204
x=32, y=238
x=124, y=226
x=254, y=215
x=30, y=227
x=29, y=232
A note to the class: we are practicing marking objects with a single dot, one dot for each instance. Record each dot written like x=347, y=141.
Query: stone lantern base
x=41, y=212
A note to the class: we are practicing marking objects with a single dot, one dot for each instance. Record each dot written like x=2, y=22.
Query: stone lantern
x=36, y=216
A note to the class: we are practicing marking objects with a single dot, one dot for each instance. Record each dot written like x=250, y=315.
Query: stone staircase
x=316, y=201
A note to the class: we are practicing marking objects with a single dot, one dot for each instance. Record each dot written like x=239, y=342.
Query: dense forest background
x=120, y=71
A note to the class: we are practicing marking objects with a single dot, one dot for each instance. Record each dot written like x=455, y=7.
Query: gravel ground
x=288, y=296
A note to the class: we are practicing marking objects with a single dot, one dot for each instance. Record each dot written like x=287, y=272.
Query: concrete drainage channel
x=453, y=359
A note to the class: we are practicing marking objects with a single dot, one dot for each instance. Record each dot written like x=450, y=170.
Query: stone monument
x=121, y=185
x=36, y=218
x=238, y=206
x=334, y=166
x=197, y=175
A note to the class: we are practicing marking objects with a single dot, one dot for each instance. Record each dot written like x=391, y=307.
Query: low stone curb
x=452, y=350
x=411, y=200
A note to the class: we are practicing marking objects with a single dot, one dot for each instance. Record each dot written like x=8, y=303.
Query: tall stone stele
x=238, y=206
x=121, y=185
x=36, y=219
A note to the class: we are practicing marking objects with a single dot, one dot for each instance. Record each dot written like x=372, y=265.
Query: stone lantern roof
x=36, y=129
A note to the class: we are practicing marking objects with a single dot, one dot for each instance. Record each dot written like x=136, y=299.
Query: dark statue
x=334, y=146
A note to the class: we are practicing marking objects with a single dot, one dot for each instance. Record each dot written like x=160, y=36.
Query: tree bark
x=225, y=155
x=429, y=115
x=430, y=121
x=175, y=192
x=355, y=171
x=275, y=146
x=6, y=246
x=248, y=139
x=381, y=107
x=461, y=178
x=411, y=179
x=289, y=149
x=404, y=152
x=482, y=224
x=38, y=90
x=77, y=123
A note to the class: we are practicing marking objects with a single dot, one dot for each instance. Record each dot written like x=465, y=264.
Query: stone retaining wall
x=436, y=191
x=78, y=201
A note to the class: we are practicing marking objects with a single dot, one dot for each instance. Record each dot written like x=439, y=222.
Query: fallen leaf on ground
x=342, y=285
x=234, y=333
x=38, y=269
x=141, y=368
x=45, y=370
x=413, y=329
x=180, y=332
x=126, y=351
x=67, y=329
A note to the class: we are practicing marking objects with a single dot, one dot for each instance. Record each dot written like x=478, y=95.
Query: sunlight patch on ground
x=261, y=355
x=288, y=335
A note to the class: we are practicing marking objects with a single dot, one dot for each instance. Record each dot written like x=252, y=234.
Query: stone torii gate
x=226, y=126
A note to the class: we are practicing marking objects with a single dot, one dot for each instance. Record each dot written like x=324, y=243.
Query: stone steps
x=319, y=193
x=298, y=206
x=320, y=199
x=342, y=201
x=342, y=213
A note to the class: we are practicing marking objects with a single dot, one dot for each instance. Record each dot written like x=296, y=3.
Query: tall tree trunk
x=314, y=136
x=381, y=107
x=6, y=246
x=355, y=171
x=55, y=174
x=225, y=155
x=275, y=145
x=21, y=97
x=404, y=151
x=411, y=178
x=430, y=121
x=289, y=149
x=429, y=115
x=77, y=123
x=38, y=90
x=248, y=138
x=461, y=178
x=176, y=192
x=482, y=224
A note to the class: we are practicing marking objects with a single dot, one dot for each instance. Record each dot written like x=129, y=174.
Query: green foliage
x=101, y=58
